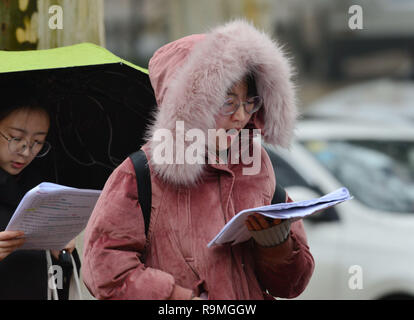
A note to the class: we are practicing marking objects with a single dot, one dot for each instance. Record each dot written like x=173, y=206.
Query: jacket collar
x=4, y=176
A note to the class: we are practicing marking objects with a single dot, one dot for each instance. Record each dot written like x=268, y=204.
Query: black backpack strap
x=280, y=195
x=143, y=176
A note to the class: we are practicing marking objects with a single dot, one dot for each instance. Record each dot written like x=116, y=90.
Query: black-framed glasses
x=232, y=104
x=19, y=145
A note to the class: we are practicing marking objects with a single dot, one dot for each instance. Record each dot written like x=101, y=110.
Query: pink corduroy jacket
x=192, y=202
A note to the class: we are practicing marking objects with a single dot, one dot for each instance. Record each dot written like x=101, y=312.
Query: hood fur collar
x=191, y=76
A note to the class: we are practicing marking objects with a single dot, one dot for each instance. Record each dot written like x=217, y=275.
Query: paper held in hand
x=235, y=231
x=51, y=215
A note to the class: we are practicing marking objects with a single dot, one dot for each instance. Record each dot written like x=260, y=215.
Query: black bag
x=143, y=176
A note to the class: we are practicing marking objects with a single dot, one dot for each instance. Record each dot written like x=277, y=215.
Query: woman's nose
x=240, y=114
x=25, y=151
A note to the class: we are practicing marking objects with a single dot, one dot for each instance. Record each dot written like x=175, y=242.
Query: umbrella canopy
x=100, y=106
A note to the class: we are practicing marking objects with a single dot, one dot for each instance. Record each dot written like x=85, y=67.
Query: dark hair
x=251, y=85
x=19, y=95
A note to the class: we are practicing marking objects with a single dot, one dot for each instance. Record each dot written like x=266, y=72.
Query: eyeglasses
x=231, y=105
x=19, y=145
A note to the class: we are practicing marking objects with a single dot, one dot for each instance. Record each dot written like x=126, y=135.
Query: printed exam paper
x=235, y=231
x=51, y=215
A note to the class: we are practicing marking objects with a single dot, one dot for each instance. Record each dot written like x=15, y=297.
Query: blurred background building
x=316, y=33
x=327, y=51
x=136, y=28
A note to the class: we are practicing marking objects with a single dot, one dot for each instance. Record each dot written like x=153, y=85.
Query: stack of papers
x=51, y=215
x=235, y=231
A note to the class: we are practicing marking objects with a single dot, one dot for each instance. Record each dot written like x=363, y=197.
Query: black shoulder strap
x=280, y=194
x=143, y=176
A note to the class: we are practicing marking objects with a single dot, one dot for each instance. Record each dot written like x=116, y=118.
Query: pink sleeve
x=285, y=270
x=113, y=244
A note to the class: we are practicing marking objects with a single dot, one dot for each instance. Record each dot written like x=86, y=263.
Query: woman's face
x=31, y=125
x=237, y=120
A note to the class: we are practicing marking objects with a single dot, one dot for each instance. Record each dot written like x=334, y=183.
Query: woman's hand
x=257, y=222
x=9, y=242
x=69, y=247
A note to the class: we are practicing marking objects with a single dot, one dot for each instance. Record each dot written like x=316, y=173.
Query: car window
x=378, y=173
x=285, y=174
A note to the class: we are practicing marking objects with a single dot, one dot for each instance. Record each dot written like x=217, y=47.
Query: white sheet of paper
x=235, y=231
x=51, y=215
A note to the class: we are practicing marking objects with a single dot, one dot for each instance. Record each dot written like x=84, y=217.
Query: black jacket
x=23, y=273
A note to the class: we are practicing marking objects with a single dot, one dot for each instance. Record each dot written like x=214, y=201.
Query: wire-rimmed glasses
x=232, y=104
x=18, y=145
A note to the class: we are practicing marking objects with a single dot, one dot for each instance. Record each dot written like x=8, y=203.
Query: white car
x=363, y=248
x=382, y=100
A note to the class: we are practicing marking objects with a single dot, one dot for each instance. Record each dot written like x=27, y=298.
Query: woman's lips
x=17, y=165
x=233, y=131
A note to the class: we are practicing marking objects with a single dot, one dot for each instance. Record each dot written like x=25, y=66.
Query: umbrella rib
x=110, y=129
x=94, y=162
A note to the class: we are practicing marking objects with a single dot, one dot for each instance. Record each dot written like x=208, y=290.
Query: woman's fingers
x=8, y=246
x=11, y=243
x=249, y=225
x=10, y=235
x=263, y=222
x=259, y=222
x=5, y=252
x=71, y=245
x=254, y=224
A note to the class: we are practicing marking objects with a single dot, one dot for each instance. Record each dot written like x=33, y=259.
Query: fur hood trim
x=191, y=76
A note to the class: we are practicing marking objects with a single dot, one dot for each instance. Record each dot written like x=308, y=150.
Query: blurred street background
x=326, y=52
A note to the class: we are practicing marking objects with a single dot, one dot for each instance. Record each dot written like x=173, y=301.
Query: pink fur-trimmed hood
x=191, y=76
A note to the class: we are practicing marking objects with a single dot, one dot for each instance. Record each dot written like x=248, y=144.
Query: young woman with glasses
x=24, y=126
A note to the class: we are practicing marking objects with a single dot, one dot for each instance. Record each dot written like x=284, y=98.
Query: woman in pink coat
x=233, y=78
